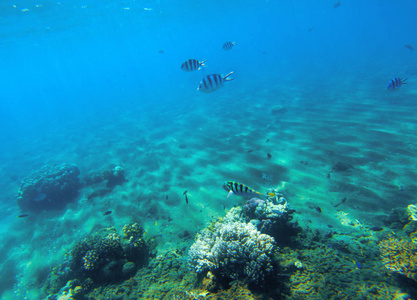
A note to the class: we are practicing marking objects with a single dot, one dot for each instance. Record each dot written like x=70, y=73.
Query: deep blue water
x=64, y=59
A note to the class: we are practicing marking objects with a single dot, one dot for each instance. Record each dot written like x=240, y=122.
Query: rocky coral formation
x=100, y=258
x=234, y=249
x=49, y=188
x=114, y=177
x=399, y=255
x=272, y=216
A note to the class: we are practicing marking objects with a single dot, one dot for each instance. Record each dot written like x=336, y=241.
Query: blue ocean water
x=98, y=84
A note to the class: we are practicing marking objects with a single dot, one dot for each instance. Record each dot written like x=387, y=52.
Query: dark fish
x=213, y=82
x=267, y=140
x=186, y=199
x=269, y=155
x=166, y=197
x=315, y=207
x=341, y=202
x=396, y=83
x=185, y=192
x=237, y=188
x=409, y=47
x=249, y=151
x=228, y=45
x=359, y=265
x=107, y=213
x=336, y=4
x=376, y=228
x=192, y=65
x=23, y=216
x=161, y=51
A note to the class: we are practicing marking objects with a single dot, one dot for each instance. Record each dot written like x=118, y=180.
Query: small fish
x=236, y=188
x=156, y=223
x=192, y=65
x=396, y=83
x=228, y=45
x=267, y=140
x=376, y=228
x=269, y=155
x=161, y=51
x=185, y=192
x=23, y=216
x=341, y=202
x=166, y=197
x=186, y=199
x=249, y=151
x=213, y=82
x=336, y=4
x=315, y=207
x=107, y=213
x=359, y=265
x=409, y=47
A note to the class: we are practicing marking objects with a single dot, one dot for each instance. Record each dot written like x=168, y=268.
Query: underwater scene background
x=113, y=163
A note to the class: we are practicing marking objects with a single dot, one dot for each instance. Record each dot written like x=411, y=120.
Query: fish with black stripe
x=192, y=64
x=213, y=82
x=228, y=45
x=239, y=189
x=396, y=83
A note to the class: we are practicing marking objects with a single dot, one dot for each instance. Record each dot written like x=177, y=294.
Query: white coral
x=235, y=249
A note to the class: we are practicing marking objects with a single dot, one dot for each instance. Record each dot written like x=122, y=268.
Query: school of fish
x=212, y=82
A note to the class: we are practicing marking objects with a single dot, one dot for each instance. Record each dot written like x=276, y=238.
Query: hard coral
x=399, y=256
x=235, y=250
x=50, y=187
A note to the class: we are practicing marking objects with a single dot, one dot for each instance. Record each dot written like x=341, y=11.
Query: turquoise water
x=98, y=84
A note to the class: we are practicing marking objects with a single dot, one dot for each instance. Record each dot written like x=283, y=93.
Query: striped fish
x=213, y=82
x=228, y=45
x=236, y=188
x=396, y=83
x=192, y=65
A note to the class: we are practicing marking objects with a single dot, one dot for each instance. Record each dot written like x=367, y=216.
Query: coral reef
x=101, y=258
x=399, y=255
x=50, y=187
x=115, y=176
x=412, y=210
x=272, y=216
x=235, y=250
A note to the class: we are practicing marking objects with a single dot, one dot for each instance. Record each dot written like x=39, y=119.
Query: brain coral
x=236, y=250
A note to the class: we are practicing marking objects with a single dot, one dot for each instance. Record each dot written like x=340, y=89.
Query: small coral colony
x=257, y=249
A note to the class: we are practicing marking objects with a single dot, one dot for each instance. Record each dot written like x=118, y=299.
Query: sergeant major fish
x=396, y=83
x=192, y=65
x=228, y=45
x=213, y=82
x=236, y=188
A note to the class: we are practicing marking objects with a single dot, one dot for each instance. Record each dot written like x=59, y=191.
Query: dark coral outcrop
x=51, y=187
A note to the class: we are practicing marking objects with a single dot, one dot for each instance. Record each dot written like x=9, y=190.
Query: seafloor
x=352, y=146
